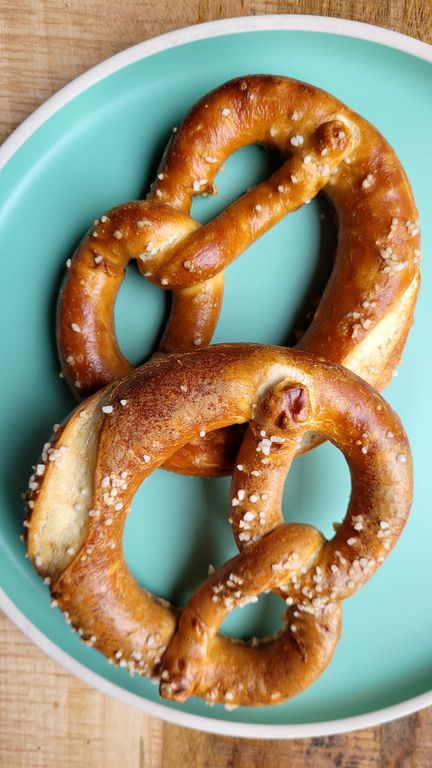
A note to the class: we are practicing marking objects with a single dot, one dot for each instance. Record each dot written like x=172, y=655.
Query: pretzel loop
x=312, y=574
x=83, y=487
x=214, y=246
x=174, y=252
x=366, y=310
x=238, y=582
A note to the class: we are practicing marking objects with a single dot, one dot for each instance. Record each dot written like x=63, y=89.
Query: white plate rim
x=292, y=22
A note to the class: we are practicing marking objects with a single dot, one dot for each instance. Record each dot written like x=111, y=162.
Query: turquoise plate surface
x=96, y=144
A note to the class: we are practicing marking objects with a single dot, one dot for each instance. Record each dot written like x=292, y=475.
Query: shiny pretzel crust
x=82, y=489
x=367, y=307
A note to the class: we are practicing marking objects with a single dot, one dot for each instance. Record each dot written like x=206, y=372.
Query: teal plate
x=96, y=144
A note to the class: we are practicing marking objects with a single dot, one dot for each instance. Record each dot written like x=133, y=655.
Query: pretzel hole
x=140, y=315
x=306, y=258
x=243, y=169
x=261, y=619
x=281, y=277
x=176, y=527
x=317, y=489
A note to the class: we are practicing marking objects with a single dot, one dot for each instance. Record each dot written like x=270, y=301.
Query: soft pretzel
x=366, y=310
x=83, y=486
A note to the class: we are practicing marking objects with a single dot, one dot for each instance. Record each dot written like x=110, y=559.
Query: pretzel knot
x=366, y=310
x=83, y=487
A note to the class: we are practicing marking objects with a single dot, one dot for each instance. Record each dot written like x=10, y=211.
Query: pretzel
x=82, y=489
x=366, y=310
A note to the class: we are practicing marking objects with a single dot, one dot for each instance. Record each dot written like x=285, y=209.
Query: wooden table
x=47, y=717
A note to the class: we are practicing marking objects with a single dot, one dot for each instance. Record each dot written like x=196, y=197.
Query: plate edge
x=274, y=22
x=210, y=725
x=234, y=25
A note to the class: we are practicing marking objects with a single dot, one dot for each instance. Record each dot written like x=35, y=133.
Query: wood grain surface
x=47, y=717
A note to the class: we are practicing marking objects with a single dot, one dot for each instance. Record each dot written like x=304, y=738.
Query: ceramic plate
x=97, y=143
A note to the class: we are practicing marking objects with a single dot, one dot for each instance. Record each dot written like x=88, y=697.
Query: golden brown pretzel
x=366, y=309
x=82, y=489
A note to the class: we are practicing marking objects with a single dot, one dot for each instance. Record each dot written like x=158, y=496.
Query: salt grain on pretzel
x=366, y=310
x=109, y=455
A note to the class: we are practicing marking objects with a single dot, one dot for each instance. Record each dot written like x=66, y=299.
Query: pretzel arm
x=297, y=181
x=86, y=337
x=82, y=488
x=194, y=315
